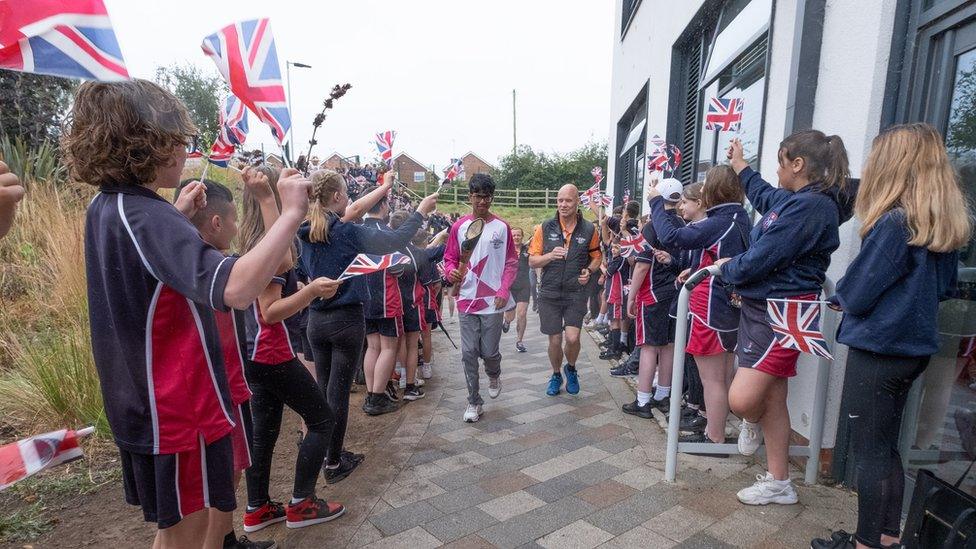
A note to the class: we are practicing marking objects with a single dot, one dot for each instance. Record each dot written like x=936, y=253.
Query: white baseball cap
x=670, y=188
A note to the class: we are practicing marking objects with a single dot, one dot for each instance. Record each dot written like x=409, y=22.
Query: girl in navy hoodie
x=913, y=220
x=787, y=259
x=723, y=233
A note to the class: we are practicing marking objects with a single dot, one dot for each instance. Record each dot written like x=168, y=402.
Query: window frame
x=423, y=176
x=626, y=163
x=627, y=18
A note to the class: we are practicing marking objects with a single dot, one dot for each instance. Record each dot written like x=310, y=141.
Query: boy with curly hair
x=153, y=286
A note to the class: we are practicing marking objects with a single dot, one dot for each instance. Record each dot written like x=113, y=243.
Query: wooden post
x=455, y=194
x=547, y=198
x=517, y=198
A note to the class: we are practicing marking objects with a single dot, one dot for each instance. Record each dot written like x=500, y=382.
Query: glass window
x=419, y=177
x=745, y=79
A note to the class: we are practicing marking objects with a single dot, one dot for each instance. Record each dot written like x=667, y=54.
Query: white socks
x=601, y=318
x=662, y=393
x=643, y=398
x=623, y=337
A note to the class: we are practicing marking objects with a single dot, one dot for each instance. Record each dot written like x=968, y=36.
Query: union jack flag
x=233, y=121
x=220, y=153
x=796, y=325
x=72, y=38
x=366, y=263
x=245, y=54
x=21, y=459
x=632, y=244
x=724, y=114
x=593, y=193
x=664, y=158
x=384, y=143
x=626, y=195
x=597, y=174
x=455, y=170
x=605, y=200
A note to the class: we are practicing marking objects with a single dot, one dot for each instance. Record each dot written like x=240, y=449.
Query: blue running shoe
x=572, y=380
x=555, y=383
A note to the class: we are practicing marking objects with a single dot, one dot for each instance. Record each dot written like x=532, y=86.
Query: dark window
x=631, y=150
x=627, y=12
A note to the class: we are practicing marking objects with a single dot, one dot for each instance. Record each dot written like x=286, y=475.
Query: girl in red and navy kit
x=914, y=219
x=787, y=259
x=430, y=281
x=723, y=233
x=277, y=378
x=652, y=290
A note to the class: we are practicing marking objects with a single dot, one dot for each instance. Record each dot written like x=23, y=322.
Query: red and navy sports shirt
x=227, y=323
x=267, y=343
x=385, y=300
x=153, y=286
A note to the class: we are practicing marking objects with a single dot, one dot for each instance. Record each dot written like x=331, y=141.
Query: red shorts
x=616, y=311
x=241, y=436
x=758, y=348
x=704, y=341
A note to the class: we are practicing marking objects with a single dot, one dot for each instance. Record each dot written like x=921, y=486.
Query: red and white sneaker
x=312, y=510
x=266, y=515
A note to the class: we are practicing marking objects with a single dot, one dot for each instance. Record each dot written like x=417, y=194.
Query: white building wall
x=853, y=65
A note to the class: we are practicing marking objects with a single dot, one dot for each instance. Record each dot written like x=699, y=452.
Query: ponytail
x=325, y=185
x=825, y=158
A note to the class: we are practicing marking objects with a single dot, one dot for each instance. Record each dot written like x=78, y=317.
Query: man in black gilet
x=567, y=249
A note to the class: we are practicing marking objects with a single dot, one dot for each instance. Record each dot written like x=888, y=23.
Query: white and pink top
x=491, y=269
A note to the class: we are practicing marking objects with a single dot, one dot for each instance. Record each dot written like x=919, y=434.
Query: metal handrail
x=811, y=451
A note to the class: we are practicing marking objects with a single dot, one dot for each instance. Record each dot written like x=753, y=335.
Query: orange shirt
x=535, y=246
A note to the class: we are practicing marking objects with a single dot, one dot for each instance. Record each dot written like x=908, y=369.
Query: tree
x=32, y=106
x=201, y=91
x=527, y=169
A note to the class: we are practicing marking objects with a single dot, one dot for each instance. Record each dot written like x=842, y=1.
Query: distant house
x=410, y=171
x=337, y=162
x=274, y=160
x=475, y=164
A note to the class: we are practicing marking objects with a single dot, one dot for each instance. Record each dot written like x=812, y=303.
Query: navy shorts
x=555, y=315
x=414, y=320
x=388, y=327
x=654, y=325
x=169, y=487
x=758, y=348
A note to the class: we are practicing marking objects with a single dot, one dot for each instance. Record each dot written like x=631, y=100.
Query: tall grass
x=47, y=374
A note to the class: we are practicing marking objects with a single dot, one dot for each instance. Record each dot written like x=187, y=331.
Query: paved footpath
x=564, y=471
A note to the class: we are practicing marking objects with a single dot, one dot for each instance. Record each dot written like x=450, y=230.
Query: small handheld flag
x=21, y=459
x=665, y=158
x=590, y=195
x=366, y=263
x=72, y=38
x=626, y=196
x=384, y=143
x=233, y=121
x=632, y=245
x=245, y=55
x=455, y=170
x=724, y=114
x=220, y=154
x=597, y=173
x=796, y=325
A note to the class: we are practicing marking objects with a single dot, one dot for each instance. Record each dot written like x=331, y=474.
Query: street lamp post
x=291, y=128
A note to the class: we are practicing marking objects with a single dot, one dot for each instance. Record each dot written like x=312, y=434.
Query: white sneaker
x=472, y=413
x=419, y=381
x=403, y=377
x=750, y=438
x=426, y=371
x=767, y=490
x=494, y=386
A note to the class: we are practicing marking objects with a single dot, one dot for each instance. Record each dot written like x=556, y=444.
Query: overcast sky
x=439, y=72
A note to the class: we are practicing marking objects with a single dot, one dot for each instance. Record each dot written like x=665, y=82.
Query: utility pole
x=291, y=127
x=514, y=132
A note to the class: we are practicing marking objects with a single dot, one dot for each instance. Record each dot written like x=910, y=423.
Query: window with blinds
x=628, y=9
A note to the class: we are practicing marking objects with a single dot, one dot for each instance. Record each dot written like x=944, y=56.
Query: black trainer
x=391, y=391
x=838, y=540
x=345, y=468
x=611, y=354
x=230, y=542
x=623, y=370
x=412, y=392
x=379, y=405
x=635, y=409
x=351, y=455
x=701, y=438
x=695, y=423
x=664, y=405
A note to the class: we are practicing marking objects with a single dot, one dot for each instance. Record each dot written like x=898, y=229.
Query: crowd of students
x=200, y=321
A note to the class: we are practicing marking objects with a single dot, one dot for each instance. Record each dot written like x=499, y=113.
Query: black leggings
x=696, y=391
x=880, y=384
x=272, y=387
x=336, y=336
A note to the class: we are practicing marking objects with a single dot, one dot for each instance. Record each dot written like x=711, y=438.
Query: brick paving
x=564, y=471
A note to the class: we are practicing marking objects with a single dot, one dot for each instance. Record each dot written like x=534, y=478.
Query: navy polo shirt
x=153, y=286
